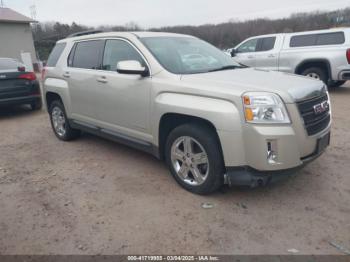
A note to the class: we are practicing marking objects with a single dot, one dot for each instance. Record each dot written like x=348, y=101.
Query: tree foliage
x=222, y=35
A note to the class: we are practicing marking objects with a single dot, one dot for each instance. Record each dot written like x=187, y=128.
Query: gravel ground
x=92, y=196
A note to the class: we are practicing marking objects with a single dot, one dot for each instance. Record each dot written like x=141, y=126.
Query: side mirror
x=132, y=67
x=233, y=52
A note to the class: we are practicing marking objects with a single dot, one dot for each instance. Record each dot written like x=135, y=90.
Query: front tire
x=60, y=123
x=194, y=158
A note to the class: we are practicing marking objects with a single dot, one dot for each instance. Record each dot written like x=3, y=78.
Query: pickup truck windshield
x=186, y=55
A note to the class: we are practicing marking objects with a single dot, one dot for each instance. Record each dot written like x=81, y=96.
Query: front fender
x=223, y=114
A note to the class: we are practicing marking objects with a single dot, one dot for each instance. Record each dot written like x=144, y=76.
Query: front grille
x=314, y=122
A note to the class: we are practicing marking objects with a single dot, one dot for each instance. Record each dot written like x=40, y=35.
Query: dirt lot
x=92, y=196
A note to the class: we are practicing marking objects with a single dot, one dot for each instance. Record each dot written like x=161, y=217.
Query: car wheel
x=194, y=158
x=60, y=123
x=37, y=105
x=316, y=73
x=336, y=83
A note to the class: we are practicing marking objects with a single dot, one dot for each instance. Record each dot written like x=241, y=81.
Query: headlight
x=264, y=108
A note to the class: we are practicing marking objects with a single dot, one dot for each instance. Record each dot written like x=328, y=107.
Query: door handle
x=66, y=74
x=250, y=56
x=271, y=55
x=102, y=79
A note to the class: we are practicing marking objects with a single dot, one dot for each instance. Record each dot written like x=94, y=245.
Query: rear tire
x=199, y=168
x=60, y=123
x=316, y=73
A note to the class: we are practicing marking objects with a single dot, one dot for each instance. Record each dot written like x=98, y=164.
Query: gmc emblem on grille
x=320, y=108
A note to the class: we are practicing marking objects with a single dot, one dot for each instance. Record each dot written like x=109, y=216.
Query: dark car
x=17, y=86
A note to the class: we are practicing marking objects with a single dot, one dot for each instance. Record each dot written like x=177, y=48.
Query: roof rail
x=89, y=32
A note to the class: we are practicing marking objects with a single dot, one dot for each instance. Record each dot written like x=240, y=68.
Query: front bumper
x=248, y=176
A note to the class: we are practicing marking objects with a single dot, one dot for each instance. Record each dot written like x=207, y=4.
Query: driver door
x=123, y=100
x=245, y=53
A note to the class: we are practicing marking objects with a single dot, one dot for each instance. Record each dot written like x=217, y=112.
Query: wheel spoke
x=197, y=175
x=183, y=171
x=187, y=145
x=178, y=154
x=200, y=158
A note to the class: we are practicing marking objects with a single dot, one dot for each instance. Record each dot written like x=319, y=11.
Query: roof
x=123, y=35
x=8, y=15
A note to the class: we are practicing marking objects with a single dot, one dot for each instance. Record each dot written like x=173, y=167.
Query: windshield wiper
x=228, y=67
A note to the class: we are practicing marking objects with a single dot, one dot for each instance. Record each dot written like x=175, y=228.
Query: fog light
x=272, y=154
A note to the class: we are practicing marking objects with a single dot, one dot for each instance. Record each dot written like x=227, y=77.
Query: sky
x=158, y=13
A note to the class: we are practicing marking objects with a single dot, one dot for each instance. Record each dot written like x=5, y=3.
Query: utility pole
x=2, y=3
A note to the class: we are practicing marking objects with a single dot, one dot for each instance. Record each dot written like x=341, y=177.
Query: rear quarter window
x=335, y=38
x=55, y=54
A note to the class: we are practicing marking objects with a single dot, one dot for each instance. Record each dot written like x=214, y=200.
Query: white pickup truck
x=323, y=54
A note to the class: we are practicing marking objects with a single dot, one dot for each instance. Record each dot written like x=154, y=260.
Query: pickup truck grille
x=315, y=121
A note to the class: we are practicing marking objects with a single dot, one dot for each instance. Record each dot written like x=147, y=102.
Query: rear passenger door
x=266, y=55
x=82, y=76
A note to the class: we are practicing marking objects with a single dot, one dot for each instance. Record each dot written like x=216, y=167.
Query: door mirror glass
x=131, y=67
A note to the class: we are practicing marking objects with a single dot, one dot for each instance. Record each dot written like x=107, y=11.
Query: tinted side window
x=317, y=39
x=249, y=46
x=303, y=40
x=331, y=38
x=55, y=54
x=88, y=54
x=267, y=43
x=116, y=51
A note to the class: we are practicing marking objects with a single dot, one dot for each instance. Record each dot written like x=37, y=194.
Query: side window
x=331, y=39
x=303, y=40
x=116, y=51
x=249, y=46
x=267, y=43
x=335, y=38
x=88, y=54
x=55, y=54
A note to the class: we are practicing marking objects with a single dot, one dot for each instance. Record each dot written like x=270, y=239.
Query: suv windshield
x=187, y=55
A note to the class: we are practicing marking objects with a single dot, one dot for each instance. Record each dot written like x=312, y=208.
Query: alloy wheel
x=190, y=160
x=58, y=121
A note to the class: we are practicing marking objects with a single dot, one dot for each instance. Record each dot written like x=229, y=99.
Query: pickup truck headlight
x=264, y=108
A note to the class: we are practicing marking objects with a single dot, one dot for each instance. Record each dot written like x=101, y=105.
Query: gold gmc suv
x=181, y=99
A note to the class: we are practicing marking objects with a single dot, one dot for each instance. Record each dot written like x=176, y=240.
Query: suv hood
x=291, y=88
